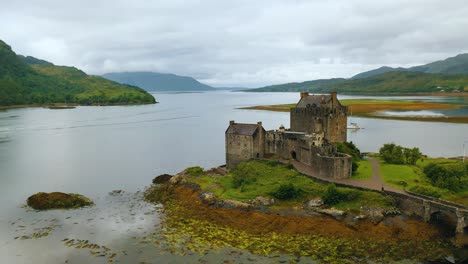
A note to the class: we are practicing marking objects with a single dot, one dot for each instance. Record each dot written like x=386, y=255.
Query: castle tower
x=320, y=113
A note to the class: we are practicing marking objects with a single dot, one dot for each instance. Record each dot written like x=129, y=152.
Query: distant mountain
x=158, y=82
x=308, y=86
x=452, y=65
x=27, y=80
x=231, y=88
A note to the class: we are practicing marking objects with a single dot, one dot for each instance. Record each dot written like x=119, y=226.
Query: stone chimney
x=232, y=122
x=334, y=99
x=259, y=124
x=304, y=94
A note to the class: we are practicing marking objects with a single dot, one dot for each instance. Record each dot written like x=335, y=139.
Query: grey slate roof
x=242, y=129
x=313, y=99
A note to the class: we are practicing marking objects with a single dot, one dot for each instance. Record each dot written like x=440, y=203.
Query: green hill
x=27, y=81
x=401, y=82
x=378, y=71
x=446, y=75
x=308, y=86
x=153, y=81
x=452, y=65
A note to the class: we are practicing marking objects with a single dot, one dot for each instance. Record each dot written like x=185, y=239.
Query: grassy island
x=195, y=220
x=372, y=107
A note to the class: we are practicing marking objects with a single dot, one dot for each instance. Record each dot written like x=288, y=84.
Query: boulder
x=58, y=200
x=338, y=214
x=177, y=179
x=163, y=178
x=263, y=201
x=235, y=204
x=376, y=215
x=208, y=198
x=316, y=202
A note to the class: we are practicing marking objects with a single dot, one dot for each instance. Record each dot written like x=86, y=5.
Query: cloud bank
x=236, y=43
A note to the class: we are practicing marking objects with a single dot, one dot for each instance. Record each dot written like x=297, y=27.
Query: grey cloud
x=236, y=43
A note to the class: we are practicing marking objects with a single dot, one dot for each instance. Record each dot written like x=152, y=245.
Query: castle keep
x=317, y=122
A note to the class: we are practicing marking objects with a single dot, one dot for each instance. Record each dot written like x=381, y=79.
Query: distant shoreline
x=368, y=108
x=461, y=94
x=65, y=106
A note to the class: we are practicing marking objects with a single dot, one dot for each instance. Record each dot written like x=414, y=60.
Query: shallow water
x=93, y=150
x=422, y=113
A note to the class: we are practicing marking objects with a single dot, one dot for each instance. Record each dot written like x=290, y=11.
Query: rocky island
x=296, y=191
x=58, y=200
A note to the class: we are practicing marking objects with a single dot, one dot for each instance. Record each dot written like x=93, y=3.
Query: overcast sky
x=236, y=43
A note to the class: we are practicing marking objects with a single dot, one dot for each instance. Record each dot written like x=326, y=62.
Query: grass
x=414, y=177
x=364, y=171
x=270, y=175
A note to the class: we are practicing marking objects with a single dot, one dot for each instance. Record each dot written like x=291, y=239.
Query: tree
x=445, y=177
x=395, y=154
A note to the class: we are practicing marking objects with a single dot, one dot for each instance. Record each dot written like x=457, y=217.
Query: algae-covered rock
x=265, y=201
x=314, y=203
x=57, y=200
x=235, y=204
x=338, y=214
x=163, y=178
x=208, y=198
x=177, y=179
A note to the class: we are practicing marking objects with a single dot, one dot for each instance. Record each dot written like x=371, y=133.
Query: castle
x=317, y=121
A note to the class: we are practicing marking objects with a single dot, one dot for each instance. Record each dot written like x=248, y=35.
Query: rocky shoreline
x=371, y=234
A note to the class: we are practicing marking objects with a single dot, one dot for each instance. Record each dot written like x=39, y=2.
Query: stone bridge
x=429, y=208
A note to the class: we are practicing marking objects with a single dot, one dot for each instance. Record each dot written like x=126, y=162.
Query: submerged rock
x=58, y=200
x=163, y=178
x=116, y=192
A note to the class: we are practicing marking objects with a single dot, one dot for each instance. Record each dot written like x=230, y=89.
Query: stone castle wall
x=323, y=158
x=238, y=148
x=331, y=119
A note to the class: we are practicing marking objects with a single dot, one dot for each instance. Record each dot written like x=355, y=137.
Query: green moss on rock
x=58, y=200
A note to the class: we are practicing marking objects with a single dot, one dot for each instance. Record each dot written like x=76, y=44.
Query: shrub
x=242, y=175
x=286, y=192
x=425, y=191
x=354, y=166
x=445, y=177
x=332, y=195
x=350, y=149
x=194, y=171
x=395, y=154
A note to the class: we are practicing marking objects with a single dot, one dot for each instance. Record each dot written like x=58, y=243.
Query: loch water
x=94, y=150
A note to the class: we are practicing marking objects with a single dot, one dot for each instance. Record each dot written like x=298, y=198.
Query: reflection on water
x=422, y=113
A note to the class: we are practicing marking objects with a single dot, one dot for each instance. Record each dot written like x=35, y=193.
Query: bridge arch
x=445, y=221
